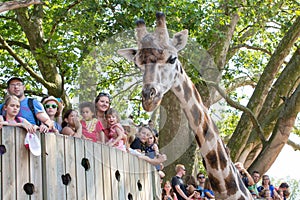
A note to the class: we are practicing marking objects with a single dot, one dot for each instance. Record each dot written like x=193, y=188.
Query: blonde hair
x=179, y=167
x=10, y=97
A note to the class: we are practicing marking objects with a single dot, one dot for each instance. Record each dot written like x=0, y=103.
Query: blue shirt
x=25, y=111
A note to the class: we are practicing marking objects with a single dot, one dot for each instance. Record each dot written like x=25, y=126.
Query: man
x=16, y=87
x=201, y=180
x=253, y=188
x=178, y=185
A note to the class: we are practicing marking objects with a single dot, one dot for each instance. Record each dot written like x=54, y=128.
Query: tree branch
x=242, y=108
x=251, y=47
x=22, y=63
x=294, y=145
x=11, y=5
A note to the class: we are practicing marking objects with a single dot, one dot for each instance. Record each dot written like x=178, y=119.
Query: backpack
x=31, y=107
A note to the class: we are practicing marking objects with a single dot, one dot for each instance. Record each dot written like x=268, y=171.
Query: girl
x=152, y=148
x=11, y=109
x=53, y=109
x=116, y=134
x=71, y=125
x=91, y=127
x=167, y=192
x=151, y=145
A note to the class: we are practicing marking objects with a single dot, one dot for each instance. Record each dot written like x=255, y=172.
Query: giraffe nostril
x=152, y=92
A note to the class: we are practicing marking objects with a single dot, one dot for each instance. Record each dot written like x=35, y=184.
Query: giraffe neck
x=223, y=176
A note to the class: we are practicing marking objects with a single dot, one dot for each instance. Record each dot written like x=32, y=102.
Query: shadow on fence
x=72, y=168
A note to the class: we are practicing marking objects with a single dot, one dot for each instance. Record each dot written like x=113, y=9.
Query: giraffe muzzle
x=150, y=97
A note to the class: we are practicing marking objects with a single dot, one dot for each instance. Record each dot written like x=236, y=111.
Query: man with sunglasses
x=16, y=87
x=178, y=185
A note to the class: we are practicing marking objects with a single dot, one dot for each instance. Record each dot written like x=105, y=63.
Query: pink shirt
x=92, y=129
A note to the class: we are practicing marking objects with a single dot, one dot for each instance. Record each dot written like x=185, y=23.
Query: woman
x=102, y=103
x=266, y=184
x=54, y=110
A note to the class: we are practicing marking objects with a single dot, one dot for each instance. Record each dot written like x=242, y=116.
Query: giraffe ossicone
x=157, y=58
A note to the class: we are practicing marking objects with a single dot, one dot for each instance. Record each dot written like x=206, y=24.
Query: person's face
x=13, y=107
x=111, y=119
x=71, y=117
x=143, y=134
x=103, y=104
x=86, y=113
x=17, y=88
x=266, y=180
x=183, y=170
x=51, y=107
x=150, y=139
x=167, y=186
x=201, y=178
x=256, y=177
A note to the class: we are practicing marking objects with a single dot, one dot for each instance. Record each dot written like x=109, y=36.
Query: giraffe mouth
x=151, y=98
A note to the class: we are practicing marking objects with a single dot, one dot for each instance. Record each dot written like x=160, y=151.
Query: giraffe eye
x=171, y=60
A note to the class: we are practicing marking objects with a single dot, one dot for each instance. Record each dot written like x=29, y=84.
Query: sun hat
x=33, y=143
x=59, y=104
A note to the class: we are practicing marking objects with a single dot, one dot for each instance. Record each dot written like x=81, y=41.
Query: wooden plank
x=22, y=163
x=50, y=163
x=8, y=164
x=80, y=171
x=106, y=173
x=35, y=172
x=60, y=167
x=127, y=174
x=98, y=165
x=90, y=174
x=113, y=170
x=121, y=183
x=70, y=163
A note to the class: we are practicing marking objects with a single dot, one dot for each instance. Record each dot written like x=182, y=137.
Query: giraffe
x=157, y=58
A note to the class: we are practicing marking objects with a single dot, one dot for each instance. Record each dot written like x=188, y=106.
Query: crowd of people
x=96, y=121
x=99, y=122
x=188, y=187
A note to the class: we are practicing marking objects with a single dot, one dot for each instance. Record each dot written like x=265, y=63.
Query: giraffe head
x=157, y=58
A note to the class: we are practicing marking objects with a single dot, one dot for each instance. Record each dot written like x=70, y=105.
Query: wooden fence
x=110, y=175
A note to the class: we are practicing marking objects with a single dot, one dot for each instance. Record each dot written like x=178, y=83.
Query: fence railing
x=72, y=168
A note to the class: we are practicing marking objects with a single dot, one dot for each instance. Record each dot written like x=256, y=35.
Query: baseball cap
x=13, y=78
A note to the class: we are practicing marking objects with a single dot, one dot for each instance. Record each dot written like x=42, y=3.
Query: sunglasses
x=104, y=94
x=51, y=106
x=201, y=176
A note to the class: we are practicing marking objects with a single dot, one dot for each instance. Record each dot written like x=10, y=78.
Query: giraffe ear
x=180, y=39
x=128, y=53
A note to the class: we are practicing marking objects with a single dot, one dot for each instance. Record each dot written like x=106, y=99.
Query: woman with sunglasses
x=53, y=109
x=266, y=184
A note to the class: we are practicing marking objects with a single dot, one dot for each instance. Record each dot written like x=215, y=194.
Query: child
x=11, y=109
x=116, y=134
x=91, y=127
x=71, y=125
x=152, y=148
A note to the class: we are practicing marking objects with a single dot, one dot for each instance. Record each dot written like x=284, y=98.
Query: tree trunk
x=176, y=140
